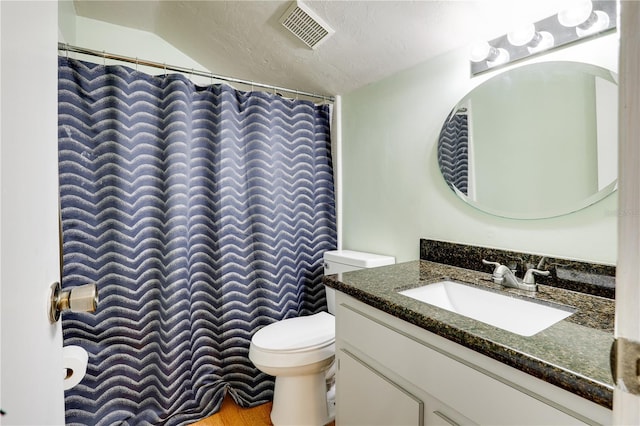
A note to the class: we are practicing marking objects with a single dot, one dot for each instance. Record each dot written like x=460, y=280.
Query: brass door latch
x=625, y=365
x=82, y=298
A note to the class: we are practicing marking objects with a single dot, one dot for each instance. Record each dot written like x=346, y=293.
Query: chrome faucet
x=504, y=276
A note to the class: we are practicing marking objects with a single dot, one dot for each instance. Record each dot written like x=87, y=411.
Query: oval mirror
x=534, y=142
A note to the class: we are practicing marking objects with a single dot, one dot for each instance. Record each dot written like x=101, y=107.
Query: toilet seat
x=294, y=341
x=297, y=334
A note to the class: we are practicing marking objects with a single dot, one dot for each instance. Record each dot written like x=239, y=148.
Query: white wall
x=66, y=22
x=116, y=39
x=393, y=193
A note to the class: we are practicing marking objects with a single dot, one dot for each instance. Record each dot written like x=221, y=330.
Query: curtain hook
x=164, y=64
x=67, y=49
x=136, y=63
x=104, y=59
x=297, y=94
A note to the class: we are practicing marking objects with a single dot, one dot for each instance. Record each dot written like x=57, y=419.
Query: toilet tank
x=338, y=261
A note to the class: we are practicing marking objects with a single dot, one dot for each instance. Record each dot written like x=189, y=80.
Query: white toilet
x=299, y=352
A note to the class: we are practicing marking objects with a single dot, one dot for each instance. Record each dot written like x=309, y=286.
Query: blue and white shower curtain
x=453, y=150
x=202, y=213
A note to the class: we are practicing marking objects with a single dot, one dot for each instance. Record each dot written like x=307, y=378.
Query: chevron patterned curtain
x=453, y=151
x=202, y=213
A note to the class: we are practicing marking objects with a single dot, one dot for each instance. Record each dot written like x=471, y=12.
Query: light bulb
x=501, y=56
x=522, y=35
x=544, y=41
x=598, y=21
x=482, y=51
x=576, y=14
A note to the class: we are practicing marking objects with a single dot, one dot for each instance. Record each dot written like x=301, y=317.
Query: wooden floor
x=232, y=415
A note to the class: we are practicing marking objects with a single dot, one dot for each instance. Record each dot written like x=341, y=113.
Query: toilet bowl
x=300, y=351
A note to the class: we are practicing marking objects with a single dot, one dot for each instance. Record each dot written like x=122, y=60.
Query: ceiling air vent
x=306, y=25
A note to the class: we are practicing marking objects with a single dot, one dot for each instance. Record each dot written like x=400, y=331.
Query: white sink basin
x=508, y=313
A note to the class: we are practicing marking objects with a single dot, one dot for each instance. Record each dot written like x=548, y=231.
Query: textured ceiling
x=372, y=40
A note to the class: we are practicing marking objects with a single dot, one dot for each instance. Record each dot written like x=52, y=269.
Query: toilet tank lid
x=358, y=258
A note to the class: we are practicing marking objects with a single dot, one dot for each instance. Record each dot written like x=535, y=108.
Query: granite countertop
x=572, y=354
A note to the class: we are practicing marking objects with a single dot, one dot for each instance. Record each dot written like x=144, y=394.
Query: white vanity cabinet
x=391, y=372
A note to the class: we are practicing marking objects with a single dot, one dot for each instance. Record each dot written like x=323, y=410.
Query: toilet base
x=300, y=401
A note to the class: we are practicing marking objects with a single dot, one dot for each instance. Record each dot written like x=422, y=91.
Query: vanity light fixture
x=584, y=19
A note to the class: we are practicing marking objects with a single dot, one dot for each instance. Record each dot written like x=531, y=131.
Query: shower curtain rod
x=105, y=55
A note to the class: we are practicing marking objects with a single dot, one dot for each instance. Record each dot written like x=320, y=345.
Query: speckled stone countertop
x=572, y=354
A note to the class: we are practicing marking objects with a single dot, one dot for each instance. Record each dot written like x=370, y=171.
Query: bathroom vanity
x=403, y=361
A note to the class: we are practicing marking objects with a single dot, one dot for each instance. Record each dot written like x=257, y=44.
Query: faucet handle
x=529, y=277
x=498, y=271
x=487, y=262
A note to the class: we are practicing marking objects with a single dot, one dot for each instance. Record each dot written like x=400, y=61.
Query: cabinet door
x=366, y=397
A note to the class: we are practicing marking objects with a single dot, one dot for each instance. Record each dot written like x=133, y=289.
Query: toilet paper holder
x=83, y=298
